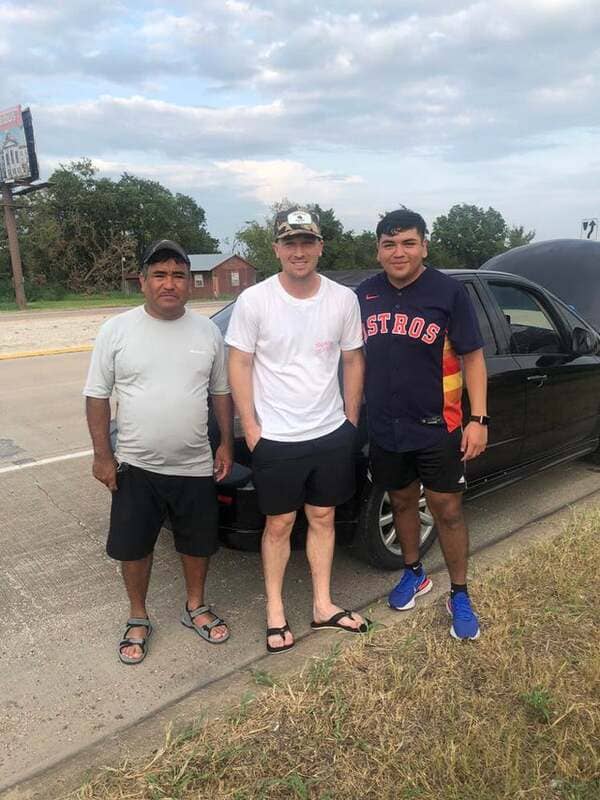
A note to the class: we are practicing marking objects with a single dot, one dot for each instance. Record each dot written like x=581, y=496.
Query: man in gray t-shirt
x=160, y=362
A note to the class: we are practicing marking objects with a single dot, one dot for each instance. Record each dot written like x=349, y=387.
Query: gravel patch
x=67, y=329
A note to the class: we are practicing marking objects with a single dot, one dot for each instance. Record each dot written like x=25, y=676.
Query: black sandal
x=279, y=632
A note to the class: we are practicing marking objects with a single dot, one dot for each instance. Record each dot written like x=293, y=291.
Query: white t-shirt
x=296, y=345
x=161, y=372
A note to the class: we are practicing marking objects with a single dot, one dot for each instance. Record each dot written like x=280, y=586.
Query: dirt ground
x=44, y=330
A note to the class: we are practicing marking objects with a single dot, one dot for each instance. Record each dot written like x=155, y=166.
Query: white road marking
x=42, y=461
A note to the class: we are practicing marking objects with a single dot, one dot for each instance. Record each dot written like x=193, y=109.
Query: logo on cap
x=299, y=218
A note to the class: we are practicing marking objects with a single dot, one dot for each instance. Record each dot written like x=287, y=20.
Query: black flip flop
x=334, y=624
x=279, y=632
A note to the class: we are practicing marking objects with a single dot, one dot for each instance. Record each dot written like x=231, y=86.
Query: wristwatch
x=482, y=420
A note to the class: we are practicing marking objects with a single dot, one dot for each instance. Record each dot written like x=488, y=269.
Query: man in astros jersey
x=422, y=339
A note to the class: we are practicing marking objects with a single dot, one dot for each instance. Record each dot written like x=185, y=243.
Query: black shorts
x=142, y=502
x=319, y=472
x=440, y=469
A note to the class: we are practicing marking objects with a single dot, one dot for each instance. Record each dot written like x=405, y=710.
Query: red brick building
x=213, y=275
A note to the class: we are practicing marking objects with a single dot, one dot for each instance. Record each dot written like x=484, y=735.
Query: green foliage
x=539, y=703
x=517, y=237
x=468, y=236
x=342, y=250
x=82, y=231
x=263, y=678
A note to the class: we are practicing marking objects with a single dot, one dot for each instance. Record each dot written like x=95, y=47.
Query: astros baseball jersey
x=413, y=339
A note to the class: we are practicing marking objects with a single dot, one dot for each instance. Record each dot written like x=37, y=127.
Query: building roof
x=206, y=262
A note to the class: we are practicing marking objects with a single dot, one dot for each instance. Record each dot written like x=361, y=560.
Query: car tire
x=376, y=541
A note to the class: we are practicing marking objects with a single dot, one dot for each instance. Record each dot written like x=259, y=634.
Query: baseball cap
x=296, y=220
x=164, y=244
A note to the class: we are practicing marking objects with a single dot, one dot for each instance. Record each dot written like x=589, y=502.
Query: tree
x=468, y=236
x=83, y=231
x=517, y=237
x=342, y=249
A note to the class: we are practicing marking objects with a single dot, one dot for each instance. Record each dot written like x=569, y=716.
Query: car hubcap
x=387, y=529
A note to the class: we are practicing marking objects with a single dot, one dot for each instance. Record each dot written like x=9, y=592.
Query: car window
x=572, y=317
x=532, y=330
x=490, y=346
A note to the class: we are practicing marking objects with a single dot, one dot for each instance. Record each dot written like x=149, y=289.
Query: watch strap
x=481, y=419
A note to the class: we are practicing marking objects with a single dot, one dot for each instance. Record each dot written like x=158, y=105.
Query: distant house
x=213, y=275
x=220, y=273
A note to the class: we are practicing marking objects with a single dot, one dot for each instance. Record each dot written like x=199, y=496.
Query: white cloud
x=255, y=96
x=269, y=181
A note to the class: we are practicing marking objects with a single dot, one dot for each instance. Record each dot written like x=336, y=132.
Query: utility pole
x=13, y=246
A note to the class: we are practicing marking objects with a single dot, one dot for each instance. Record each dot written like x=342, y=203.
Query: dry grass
x=418, y=716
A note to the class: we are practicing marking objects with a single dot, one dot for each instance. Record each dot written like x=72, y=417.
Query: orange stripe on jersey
x=452, y=382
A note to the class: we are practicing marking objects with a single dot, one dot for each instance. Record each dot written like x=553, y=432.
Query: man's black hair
x=161, y=256
x=403, y=219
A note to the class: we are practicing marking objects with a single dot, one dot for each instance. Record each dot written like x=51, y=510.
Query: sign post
x=18, y=165
x=13, y=246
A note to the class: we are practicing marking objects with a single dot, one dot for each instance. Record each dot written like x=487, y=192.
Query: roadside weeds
x=410, y=714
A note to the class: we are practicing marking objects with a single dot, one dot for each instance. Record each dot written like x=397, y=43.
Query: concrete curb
x=51, y=351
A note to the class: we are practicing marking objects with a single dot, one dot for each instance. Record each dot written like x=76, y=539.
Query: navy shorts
x=320, y=472
x=440, y=469
x=141, y=504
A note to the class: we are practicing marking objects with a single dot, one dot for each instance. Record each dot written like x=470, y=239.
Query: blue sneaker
x=465, y=624
x=402, y=596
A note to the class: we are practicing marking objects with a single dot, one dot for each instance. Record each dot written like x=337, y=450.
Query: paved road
x=61, y=685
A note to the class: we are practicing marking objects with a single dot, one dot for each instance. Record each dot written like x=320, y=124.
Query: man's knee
x=280, y=526
x=403, y=500
x=320, y=516
x=447, y=511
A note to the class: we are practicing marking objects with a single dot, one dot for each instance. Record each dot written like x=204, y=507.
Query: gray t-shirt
x=161, y=372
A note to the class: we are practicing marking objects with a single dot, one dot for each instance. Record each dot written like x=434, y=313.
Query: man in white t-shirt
x=285, y=337
x=161, y=361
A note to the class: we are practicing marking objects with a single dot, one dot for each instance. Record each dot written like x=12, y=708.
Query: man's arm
x=104, y=469
x=240, y=380
x=223, y=409
x=474, y=439
x=353, y=365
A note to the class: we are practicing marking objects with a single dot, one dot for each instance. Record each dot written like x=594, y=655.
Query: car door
x=506, y=393
x=554, y=377
x=584, y=384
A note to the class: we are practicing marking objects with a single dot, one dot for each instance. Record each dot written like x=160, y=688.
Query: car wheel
x=376, y=540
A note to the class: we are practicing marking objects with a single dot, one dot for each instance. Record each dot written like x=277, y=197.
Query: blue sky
x=357, y=106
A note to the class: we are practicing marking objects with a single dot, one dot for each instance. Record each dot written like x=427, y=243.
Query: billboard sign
x=18, y=161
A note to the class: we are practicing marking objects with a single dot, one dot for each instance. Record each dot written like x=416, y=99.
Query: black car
x=570, y=268
x=543, y=363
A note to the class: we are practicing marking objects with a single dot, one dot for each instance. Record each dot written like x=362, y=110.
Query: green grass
x=410, y=714
x=74, y=301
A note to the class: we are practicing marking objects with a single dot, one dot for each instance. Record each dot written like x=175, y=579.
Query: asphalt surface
x=62, y=687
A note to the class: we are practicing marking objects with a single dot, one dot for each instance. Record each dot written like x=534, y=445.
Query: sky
x=357, y=106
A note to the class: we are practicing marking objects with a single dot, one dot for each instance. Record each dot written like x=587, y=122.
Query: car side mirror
x=584, y=342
